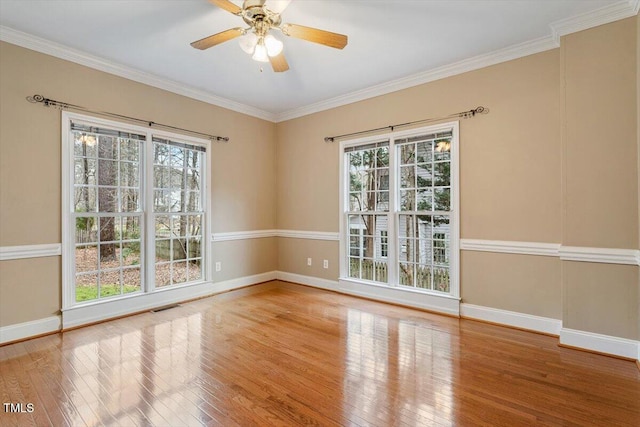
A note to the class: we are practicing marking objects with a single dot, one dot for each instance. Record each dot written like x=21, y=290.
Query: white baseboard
x=435, y=303
x=544, y=325
x=104, y=310
x=29, y=329
x=316, y=282
x=601, y=343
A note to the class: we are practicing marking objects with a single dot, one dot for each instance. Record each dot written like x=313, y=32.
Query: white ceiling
x=392, y=44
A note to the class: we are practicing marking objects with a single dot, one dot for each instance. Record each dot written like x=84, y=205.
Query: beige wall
x=600, y=118
x=243, y=181
x=599, y=75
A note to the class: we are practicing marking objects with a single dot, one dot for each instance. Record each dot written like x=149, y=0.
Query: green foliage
x=87, y=293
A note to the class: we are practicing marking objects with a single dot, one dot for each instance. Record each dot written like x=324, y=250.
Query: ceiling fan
x=257, y=41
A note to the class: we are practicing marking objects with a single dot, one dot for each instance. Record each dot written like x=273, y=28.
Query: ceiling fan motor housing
x=253, y=11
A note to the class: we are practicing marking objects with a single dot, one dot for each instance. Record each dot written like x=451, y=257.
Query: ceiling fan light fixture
x=260, y=53
x=248, y=42
x=273, y=45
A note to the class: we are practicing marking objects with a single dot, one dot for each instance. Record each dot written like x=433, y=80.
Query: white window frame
x=392, y=291
x=75, y=313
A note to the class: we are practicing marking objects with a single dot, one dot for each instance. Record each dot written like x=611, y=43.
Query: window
x=134, y=210
x=368, y=207
x=399, y=203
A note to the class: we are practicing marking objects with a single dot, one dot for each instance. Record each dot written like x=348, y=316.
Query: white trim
x=530, y=322
x=601, y=343
x=601, y=255
x=111, y=308
x=311, y=235
x=610, y=13
x=316, y=282
x=481, y=61
x=510, y=247
x=443, y=304
x=259, y=234
x=57, y=50
x=26, y=330
x=30, y=251
x=565, y=253
x=386, y=294
x=242, y=235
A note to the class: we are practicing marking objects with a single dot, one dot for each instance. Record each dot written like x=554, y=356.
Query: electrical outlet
x=325, y=263
x=218, y=266
x=309, y=262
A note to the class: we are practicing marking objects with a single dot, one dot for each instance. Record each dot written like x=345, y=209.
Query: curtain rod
x=461, y=115
x=48, y=102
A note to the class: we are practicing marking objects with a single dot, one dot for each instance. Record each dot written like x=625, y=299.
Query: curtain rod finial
x=329, y=139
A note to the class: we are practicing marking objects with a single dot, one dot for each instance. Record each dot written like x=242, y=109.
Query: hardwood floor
x=286, y=355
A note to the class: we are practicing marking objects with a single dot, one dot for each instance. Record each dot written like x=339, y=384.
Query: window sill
x=417, y=298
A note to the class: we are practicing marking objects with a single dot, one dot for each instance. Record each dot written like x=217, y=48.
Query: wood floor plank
x=284, y=355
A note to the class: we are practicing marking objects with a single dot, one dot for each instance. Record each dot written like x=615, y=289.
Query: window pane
x=132, y=280
x=406, y=274
x=407, y=177
x=424, y=175
x=84, y=171
x=84, y=145
x=107, y=199
x=407, y=154
x=194, y=271
x=130, y=201
x=130, y=253
x=179, y=274
x=86, y=258
x=194, y=245
x=107, y=147
x=441, y=280
x=84, y=199
x=130, y=149
x=442, y=150
x=129, y=174
x=109, y=284
x=163, y=274
x=86, y=287
x=86, y=229
x=442, y=197
x=424, y=153
x=442, y=174
x=423, y=276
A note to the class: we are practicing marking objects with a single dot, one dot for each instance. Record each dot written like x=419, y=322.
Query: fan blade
x=279, y=63
x=227, y=5
x=278, y=6
x=215, y=39
x=314, y=35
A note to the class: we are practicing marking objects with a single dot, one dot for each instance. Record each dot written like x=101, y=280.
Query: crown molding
x=57, y=50
x=605, y=15
x=507, y=54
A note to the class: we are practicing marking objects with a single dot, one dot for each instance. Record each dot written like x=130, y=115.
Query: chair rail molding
x=30, y=251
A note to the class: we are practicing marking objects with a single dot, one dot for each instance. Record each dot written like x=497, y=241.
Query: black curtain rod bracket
x=48, y=102
x=461, y=115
